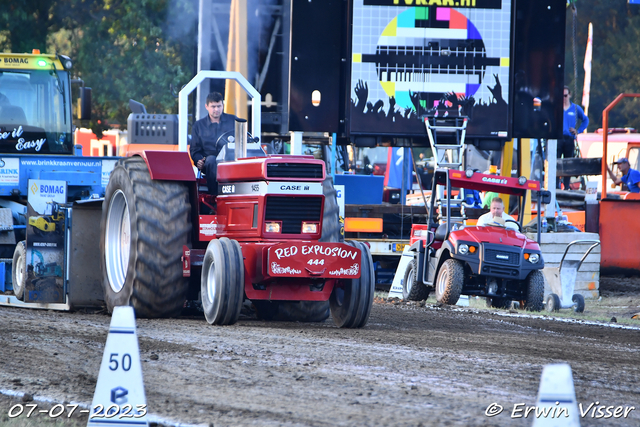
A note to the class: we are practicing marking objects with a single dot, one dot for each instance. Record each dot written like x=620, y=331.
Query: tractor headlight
x=309, y=228
x=522, y=180
x=272, y=227
x=463, y=249
x=534, y=258
x=468, y=173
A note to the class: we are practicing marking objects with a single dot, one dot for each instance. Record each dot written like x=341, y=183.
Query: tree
x=616, y=58
x=122, y=49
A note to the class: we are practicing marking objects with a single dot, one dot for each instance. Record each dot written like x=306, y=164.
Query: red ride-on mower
x=500, y=264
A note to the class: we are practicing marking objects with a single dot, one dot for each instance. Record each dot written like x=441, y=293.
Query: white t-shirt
x=487, y=220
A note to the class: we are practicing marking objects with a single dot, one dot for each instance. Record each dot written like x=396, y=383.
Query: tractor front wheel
x=351, y=299
x=222, y=284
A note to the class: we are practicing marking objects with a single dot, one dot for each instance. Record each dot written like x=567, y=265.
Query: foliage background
x=137, y=49
x=122, y=49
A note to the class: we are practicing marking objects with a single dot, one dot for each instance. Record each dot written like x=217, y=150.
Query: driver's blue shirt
x=205, y=135
x=632, y=179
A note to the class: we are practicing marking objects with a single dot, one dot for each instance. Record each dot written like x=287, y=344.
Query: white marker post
x=119, y=399
x=556, y=403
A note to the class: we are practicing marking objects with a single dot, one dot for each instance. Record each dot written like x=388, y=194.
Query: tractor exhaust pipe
x=241, y=139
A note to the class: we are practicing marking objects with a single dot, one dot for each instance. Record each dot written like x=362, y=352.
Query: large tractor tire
x=222, y=284
x=449, y=282
x=412, y=288
x=19, y=270
x=145, y=224
x=305, y=311
x=318, y=311
x=535, y=291
x=331, y=214
x=351, y=299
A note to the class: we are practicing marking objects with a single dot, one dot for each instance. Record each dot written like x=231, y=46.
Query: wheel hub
x=117, y=241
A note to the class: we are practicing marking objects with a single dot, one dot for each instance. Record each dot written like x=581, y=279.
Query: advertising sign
x=305, y=259
x=45, y=241
x=9, y=171
x=441, y=58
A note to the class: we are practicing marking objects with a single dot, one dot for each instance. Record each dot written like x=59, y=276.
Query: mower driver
x=496, y=216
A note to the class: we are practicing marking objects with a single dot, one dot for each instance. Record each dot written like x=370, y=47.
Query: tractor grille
x=294, y=170
x=501, y=257
x=292, y=211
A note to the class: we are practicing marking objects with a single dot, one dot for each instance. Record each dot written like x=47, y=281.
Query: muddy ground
x=413, y=364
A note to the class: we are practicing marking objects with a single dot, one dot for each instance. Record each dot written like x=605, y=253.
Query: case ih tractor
x=270, y=236
x=494, y=262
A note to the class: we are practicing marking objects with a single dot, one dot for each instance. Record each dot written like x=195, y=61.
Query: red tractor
x=271, y=235
x=500, y=264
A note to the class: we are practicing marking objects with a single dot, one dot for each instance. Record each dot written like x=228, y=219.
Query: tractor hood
x=272, y=168
x=497, y=235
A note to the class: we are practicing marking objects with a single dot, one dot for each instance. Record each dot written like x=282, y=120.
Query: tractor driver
x=205, y=135
x=496, y=211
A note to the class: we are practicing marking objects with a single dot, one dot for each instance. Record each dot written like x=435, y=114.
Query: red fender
x=169, y=165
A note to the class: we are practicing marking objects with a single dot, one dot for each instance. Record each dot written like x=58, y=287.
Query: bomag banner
x=439, y=58
x=45, y=241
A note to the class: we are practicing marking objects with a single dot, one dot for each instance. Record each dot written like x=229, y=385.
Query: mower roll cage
x=460, y=179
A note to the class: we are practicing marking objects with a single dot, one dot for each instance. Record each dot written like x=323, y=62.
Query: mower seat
x=441, y=232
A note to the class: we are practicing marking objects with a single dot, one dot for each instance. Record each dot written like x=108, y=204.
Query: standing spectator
x=566, y=146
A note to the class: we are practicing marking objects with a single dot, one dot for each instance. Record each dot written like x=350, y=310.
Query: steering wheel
x=515, y=222
x=224, y=138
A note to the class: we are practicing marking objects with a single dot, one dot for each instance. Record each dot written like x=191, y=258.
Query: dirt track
x=410, y=365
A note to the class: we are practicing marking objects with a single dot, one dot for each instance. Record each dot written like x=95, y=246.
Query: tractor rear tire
x=19, y=270
x=449, y=282
x=412, y=288
x=535, y=291
x=145, y=224
x=331, y=215
x=266, y=310
x=351, y=299
x=305, y=311
x=222, y=284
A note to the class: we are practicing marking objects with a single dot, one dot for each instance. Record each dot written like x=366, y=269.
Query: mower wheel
x=222, y=284
x=578, y=300
x=553, y=303
x=501, y=303
x=449, y=282
x=412, y=288
x=19, y=270
x=145, y=224
x=351, y=299
x=535, y=291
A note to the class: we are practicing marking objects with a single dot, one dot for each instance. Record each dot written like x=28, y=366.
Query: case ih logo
x=494, y=180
